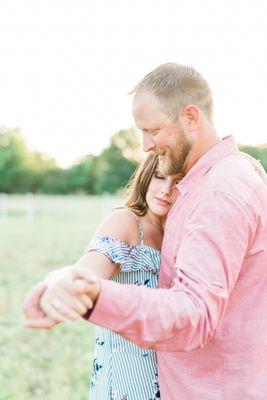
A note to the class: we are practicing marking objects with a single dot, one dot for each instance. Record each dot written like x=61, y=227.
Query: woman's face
x=161, y=194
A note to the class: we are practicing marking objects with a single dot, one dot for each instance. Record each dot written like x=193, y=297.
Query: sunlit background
x=67, y=147
x=67, y=66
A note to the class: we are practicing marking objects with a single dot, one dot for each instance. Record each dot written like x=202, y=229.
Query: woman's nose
x=167, y=188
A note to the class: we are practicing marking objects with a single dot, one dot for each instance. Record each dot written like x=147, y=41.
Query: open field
x=41, y=365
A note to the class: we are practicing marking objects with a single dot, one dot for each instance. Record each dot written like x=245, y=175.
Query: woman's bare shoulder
x=121, y=224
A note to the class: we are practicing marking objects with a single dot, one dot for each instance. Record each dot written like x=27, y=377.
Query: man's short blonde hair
x=177, y=86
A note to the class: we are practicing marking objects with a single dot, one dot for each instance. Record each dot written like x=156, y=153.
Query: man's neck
x=201, y=146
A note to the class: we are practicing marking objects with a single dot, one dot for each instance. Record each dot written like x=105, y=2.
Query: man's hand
x=54, y=300
x=61, y=302
x=35, y=316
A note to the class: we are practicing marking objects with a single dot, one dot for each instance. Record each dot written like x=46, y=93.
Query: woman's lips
x=162, y=202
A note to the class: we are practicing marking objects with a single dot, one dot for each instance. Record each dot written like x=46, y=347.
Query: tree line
x=23, y=170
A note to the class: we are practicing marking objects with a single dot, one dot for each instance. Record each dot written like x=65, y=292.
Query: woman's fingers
x=61, y=307
x=90, y=289
x=81, y=286
x=67, y=312
x=66, y=298
x=52, y=312
x=67, y=282
x=88, y=303
x=63, y=287
x=72, y=303
x=80, y=299
x=86, y=283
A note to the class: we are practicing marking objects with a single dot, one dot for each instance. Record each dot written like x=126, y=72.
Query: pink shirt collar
x=225, y=147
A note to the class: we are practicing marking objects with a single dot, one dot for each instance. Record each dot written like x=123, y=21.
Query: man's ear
x=189, y=118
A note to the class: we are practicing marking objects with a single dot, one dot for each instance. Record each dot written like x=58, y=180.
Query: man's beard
x=172, y=160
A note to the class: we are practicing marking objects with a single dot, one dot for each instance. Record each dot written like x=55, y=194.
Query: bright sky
x=67, y=65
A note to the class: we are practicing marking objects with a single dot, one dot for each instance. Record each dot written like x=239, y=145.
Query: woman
x=125, y=248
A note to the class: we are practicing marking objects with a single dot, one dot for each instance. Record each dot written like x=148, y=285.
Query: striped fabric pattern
x=121, y=369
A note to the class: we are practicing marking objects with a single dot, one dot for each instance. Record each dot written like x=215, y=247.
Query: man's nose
x=148, y=144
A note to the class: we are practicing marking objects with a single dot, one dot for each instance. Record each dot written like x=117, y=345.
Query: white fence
x=27, y=205
x=30, y=205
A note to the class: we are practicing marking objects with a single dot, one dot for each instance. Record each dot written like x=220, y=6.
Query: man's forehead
x=146, y=111
x=143, y=113
x=144, y=100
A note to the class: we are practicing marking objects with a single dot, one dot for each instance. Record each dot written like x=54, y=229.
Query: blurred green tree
x=116, y=163
x=81, y=175
x=258, y=152
x=22, y=170
x=13, y=161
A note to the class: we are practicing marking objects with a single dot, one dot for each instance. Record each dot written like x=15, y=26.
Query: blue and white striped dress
x=121, y=369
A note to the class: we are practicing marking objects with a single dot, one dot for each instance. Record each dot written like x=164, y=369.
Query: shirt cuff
x=105, y=307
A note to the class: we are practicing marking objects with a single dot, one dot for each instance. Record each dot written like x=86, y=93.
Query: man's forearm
x=162, y=319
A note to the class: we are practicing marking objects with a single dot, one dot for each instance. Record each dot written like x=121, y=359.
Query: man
x=207, y=319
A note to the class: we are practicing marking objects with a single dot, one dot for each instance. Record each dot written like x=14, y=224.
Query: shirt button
x=114, y=350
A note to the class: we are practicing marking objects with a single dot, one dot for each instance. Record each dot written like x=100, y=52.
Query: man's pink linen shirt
x=208, y=319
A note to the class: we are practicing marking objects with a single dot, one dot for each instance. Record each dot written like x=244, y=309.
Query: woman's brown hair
x=138, y=185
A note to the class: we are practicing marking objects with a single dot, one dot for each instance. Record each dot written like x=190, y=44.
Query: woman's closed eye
x=158, y=175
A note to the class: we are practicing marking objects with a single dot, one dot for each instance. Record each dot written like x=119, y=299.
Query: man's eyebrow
x=148, y=130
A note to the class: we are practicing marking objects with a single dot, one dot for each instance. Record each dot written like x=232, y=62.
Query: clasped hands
x=63, y=296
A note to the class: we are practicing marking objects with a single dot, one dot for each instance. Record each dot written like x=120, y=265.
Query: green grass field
x=55, y=364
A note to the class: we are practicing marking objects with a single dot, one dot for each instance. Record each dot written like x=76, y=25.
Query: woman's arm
x=60, y=301
x=120, y=224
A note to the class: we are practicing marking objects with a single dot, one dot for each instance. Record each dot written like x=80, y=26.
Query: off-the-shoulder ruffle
x=130, y=257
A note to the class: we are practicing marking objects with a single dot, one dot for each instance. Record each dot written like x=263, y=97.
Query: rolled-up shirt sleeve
x=184, y=317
